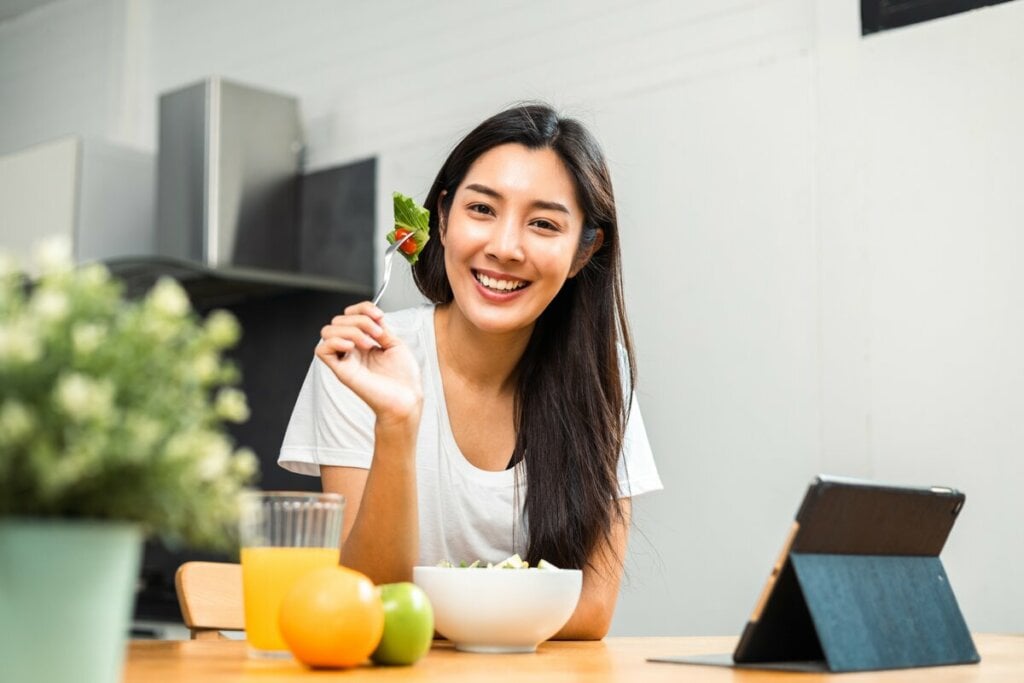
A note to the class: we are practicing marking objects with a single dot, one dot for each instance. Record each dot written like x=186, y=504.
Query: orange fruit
x=332, y=617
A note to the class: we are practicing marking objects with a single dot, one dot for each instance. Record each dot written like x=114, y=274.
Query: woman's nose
x=505, y=243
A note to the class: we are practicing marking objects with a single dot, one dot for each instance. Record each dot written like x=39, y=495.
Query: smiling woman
x=501, y=417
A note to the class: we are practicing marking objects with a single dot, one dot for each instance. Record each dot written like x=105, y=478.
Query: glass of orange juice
x=284, y=535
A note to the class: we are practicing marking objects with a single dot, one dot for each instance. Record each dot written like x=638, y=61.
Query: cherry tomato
x=408, y=246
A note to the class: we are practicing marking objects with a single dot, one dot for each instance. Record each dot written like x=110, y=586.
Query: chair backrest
x=210, y=596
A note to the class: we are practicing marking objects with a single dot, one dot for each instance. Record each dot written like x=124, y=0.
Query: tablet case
x=861, y=587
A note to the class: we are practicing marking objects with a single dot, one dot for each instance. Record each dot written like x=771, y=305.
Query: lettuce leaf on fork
x=410, y=216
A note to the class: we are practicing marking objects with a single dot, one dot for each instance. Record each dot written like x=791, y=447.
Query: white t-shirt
x=465, y=513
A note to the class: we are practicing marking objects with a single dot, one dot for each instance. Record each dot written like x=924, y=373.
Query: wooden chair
x=210, y=597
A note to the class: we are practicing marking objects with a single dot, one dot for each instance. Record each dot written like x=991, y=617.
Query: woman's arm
x=380, y=532
x=601, y=579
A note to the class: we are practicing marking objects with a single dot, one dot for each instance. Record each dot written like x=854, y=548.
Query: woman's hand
x=380, y=502
x=376, y=365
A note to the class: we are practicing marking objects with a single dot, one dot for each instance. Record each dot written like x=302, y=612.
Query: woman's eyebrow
x=483, y=189
x=539, y=203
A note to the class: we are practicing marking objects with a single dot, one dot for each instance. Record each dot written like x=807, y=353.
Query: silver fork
x=387, y=267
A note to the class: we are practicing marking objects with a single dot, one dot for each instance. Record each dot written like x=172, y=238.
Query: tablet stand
x=858, y=613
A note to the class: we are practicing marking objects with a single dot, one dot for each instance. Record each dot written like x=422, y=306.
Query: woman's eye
x=480, y=208
x=546, y=225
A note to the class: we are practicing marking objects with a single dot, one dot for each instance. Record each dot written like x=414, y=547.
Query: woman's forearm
x=601, y=578
x=384, y=539
x=591, y=619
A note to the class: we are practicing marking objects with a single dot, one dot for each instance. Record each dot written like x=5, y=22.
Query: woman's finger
x=365, y=325
x=363, y=339
x=365, y=308
x=326, y=352
x=354, y=337
x=385, y=339
x=339, y=344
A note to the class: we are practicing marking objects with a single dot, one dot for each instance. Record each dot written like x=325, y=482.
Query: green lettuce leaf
x=411, y=216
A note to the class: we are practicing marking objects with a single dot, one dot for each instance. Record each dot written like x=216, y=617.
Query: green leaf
x=411, y=216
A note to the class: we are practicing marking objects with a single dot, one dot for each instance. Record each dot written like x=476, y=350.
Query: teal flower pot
x=66, y=594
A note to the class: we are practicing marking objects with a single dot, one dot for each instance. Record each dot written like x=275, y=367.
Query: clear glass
x=284, y=535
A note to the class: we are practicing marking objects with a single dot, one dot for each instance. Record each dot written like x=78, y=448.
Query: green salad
x=410, y=217
x=513, y=562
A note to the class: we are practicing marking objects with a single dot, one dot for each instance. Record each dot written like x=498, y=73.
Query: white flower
x=159, y=328
x=205, y=367
x=180, y=446
x=245, y=464
x=87, y=337
x=18, y=344
x=214, y=457
x=231, y=405
x=82, y=397
x=94, y=274
x=222, y=329
x=168, y=298
x=50, y=305
x=53, y=255
x=16, y=421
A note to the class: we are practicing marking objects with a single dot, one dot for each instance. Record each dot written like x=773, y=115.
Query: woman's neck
x=485, y=361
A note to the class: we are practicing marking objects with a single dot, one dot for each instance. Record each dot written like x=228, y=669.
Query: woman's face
x=511, y=237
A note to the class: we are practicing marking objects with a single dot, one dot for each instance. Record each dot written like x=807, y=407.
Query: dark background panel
x=881, y=15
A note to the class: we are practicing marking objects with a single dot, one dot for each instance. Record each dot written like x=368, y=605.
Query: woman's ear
x=583, y=258
x=442, y=217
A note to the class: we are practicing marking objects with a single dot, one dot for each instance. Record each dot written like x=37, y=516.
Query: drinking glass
x=284, y=535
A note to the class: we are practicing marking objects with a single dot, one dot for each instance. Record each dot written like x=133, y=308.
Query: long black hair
x=572, y=398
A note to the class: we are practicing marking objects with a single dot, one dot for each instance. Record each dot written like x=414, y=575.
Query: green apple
x=408, y=624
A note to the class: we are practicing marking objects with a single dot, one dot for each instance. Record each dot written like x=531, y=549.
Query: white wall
x=841, y=289
x=923, y=285
x=38, y=186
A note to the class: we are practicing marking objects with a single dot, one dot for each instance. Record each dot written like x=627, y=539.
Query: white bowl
x=499, y=610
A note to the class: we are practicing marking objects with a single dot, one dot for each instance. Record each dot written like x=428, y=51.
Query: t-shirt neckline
x=497, y=478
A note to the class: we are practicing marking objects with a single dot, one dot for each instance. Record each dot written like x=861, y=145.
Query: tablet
x=858, y=584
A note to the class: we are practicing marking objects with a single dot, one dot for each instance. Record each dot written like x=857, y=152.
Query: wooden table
x=614, y=659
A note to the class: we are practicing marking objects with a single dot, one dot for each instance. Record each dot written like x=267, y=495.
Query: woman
x=498, y=418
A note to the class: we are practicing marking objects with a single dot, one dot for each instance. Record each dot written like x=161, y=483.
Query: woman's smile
x=499, y=284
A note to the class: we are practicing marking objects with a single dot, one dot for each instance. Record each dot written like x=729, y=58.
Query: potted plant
x=112, y=426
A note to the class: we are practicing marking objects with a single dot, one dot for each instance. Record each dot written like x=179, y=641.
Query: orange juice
x=267, y=574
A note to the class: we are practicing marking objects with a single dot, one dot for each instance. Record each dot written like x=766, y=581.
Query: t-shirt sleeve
x=330, y=425
x=637, y=472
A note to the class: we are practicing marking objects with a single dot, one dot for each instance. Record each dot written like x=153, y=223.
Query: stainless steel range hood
x=228, y=169
x=234, y=212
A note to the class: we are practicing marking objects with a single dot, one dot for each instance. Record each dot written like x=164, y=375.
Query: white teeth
x=500, y=285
